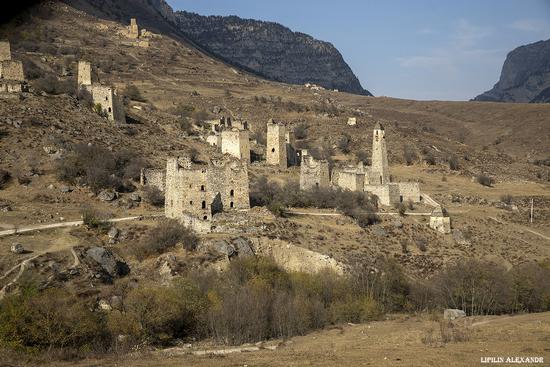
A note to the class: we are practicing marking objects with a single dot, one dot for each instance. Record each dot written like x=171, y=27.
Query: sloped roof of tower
x=378, y=126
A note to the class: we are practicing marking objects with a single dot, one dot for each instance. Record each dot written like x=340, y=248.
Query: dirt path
x=65, y=224
x=523, y=228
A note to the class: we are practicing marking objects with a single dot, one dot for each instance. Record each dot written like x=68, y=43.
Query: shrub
x=51, y=85
x=85, y=97
x=484, y=180
x=93, y=219
x=429, y=158
x=153, y=196
x=401, y=209
x=506, y=199
x=184, y=111
x=363, y=156
x=300, y=131
x=4, y=178
x=53, y=318
x=344, y=144
x=200, y=116
x=409, y=154
x=133, y=93
x=453, y=163
x=166, y=235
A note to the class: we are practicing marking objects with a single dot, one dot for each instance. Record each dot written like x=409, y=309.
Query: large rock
x=17, y=248
x=107, y=195
x=242, y=246
x=107, y=262
x=452, y=314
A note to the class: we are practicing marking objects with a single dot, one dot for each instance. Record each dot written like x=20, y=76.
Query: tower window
x=231, y=204
x=205, y=217
x=202, y=187
x=273, y=150
x=380, y=179
x=204, y=204
x=232, y=193
x=191, y=202
x=109, y=109
x=400, y=198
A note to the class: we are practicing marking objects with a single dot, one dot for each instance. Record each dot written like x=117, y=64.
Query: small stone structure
x=453, y=313
x=133, y=29
x=153, y=177
x=104, y=97
x=12, y=77
x=314, y=174
x=440, y=221
x=352, y=121
x=195, y=192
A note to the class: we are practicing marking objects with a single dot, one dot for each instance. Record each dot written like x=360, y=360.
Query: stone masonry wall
x=153, y=177
x=84, y=73
x=409, y=191
x=110, y=102
x=12, y=70
x=352, y=181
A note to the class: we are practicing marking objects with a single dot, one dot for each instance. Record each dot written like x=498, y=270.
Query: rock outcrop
x=525, y=76
x=271, y=50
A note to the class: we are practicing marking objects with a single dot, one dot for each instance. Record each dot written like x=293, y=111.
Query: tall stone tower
x=84, y=73
x=276, y=154
x=380, y=166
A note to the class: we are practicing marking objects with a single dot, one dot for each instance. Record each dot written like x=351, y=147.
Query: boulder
x=65, y=189
x=113, y=234
x=17, y=248
x=242, y=246
x=378, y=231
x=107, y=195
x=224, y=248
x=453, y=313
x=135, y=197
x=459, y=238
x=104, y=305
x=106, y=261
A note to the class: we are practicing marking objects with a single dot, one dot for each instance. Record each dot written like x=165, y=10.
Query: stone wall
x=409, y=191
x=153, y=177
x=214, y=140
x=276, y=152
x=236, y=143
x=5, y=51
x=441, y=224
x=348, y=180
x=379, y=163
x=314, y=173
x=10, y=86
x=12, y=70
x=388, y=194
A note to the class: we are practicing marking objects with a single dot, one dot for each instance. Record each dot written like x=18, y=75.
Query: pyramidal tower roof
x=378, y=126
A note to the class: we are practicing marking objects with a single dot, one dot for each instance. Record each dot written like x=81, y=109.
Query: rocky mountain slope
x=525, y=76
x=271, y=50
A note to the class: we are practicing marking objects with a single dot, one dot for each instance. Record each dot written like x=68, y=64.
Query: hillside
x=271, y=50
x=525, y=76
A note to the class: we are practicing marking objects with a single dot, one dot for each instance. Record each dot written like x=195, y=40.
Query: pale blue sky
x=424, y=49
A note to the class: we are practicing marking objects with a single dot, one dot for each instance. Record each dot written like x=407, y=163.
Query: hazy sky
x=422, y=49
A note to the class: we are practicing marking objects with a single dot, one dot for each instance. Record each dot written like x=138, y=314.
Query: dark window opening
x=202, y=187
x=380, y=179
x=273, y=150
x=400, y=198
x=109, y=109
x=191, y=203
x=205, y=217
x=232, y=193
x=317, y=184
x=204, y=204
x=231, y=204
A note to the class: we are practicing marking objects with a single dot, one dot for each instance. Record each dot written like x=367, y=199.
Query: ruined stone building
x=153, y=177
x=236, y=142
x=195, y=192
x=440, y=221
x=231, y=137
x=280, y=149
x=314, y=174
x=375, y=179
x=133, y=32
x=11, y=71
x=104, y=97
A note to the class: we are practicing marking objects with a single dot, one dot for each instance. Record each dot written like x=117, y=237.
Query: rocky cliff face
x=525, y=76
x=271, y=50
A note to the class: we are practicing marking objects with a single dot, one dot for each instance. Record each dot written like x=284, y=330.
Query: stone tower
x=236, y=143
x=84, y=73
x=276, y=154
x=5, y=51
x=380, y=166
x=314, y=174
x=133, y=29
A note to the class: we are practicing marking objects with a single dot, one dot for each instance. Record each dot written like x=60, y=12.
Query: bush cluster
x=166, y=235
x=98, y=167
x=276, y=198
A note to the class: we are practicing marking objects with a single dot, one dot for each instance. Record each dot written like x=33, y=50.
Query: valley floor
x=401, y=341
